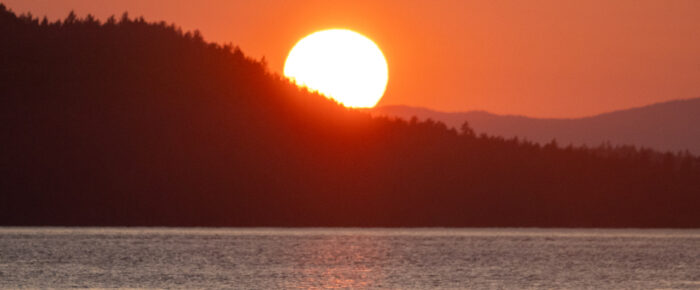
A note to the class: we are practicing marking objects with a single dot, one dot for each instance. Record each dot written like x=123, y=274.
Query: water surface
x=270, y=258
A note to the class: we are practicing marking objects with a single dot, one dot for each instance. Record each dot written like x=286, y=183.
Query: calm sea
x=269, y=258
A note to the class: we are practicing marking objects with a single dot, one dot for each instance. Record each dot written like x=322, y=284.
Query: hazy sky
x=537, y=58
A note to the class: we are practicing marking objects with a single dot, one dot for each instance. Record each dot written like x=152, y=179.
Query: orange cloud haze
x=537, y=58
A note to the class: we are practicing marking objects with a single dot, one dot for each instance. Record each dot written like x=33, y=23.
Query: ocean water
x=269, y=258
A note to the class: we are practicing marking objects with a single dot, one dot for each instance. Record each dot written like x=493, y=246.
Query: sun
x=341, y=64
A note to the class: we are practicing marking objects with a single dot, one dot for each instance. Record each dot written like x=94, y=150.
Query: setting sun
x=341, y=64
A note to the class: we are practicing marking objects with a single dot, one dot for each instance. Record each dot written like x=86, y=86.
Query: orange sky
x=537, y=58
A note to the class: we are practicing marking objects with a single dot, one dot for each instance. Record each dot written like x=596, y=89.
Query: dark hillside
x=135, y=123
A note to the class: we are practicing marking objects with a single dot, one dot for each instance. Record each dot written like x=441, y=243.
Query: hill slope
x=665, y=126
x=132, y=123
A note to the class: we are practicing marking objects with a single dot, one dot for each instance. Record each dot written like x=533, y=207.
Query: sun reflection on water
x=332, y=262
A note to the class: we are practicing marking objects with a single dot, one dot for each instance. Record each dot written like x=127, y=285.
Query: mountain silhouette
x=131, y=123
x=667, y=126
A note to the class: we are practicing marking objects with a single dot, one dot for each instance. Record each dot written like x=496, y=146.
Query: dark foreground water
x=355, y=258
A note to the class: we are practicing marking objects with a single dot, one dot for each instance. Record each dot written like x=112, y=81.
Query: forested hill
x=134, y=123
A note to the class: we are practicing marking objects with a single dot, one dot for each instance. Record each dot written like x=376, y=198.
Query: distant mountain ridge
x=667, y=126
